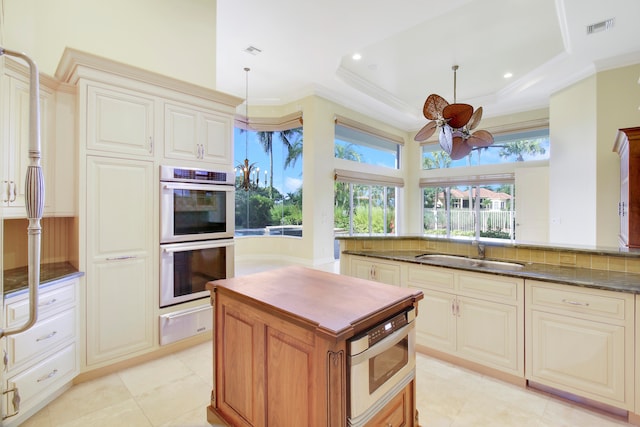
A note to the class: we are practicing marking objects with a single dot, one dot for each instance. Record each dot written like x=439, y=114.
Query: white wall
x=572, y=165
x=583, y=170
x=176, y=38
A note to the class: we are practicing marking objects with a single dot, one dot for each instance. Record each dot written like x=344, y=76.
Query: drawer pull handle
x=49, y=375
x=15, y=401
x=121, y=258
x=571, y=302
x=51, y=335
x=53, y=301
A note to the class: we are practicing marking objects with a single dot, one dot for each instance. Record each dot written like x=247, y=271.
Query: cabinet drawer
x=490, y=286
x=431, y=278
x=34, y=382
x=45, y=335
x=396, y=413
x=48, y=302
x=589, y=302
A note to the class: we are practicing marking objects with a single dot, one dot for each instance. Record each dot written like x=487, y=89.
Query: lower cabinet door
x=436, y=324
x=42, y=378
x=580, y=356
x=398, y=412
x=488, y=334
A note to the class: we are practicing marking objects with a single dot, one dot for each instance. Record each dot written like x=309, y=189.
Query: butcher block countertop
x=335, y=305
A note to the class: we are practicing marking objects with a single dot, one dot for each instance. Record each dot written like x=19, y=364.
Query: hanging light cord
x=246, y=113
x=455, y=69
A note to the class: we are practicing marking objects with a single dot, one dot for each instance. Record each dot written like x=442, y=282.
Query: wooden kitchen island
x=280, y=346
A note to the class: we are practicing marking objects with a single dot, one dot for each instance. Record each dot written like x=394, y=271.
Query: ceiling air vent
x=600, y=26
x=253, y=50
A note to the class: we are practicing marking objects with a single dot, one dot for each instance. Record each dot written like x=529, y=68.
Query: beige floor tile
x=123, y=414
x=199, y=360
x=194, y=418
x=86, y=398
x=39, y=419
x=169, y=401
x=151, y=375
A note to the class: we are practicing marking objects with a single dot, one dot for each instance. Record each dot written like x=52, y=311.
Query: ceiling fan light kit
x=456, y=123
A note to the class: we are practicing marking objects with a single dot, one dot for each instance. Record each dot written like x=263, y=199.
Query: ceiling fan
x=456, y=122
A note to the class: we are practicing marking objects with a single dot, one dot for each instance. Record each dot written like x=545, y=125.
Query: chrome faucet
x=480, y=249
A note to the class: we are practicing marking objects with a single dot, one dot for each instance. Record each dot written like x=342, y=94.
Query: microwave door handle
x=382, y=346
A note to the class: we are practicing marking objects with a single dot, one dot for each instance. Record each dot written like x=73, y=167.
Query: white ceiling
x=409, y=46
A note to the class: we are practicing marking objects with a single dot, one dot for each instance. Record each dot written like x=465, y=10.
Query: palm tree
x=266, y=140
x=521, y=147
x=292, y=140
x=347, y=151
x=437, y=159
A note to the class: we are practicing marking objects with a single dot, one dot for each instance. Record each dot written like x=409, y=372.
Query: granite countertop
x=16, y=280
x=585, y=277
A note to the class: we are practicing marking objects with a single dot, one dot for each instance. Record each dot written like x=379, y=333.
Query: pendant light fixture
x=250, y=172
x=456, y=121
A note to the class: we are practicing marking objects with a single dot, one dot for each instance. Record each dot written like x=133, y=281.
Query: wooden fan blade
x=426, y=131
x=475, y=118
x=457, y=115
x=459, y=148
x=433, y=106
x=480, y=138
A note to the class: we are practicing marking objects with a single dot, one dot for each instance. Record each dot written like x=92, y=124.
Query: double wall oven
x=196, y=243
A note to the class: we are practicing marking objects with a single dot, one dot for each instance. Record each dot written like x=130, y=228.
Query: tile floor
x=174, y=391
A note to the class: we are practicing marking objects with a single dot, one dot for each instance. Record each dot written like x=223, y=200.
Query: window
x=365, y=202
x=359, y=143
x=507, y=148
x=272, y=205
x=364, y=209
x=470, y=211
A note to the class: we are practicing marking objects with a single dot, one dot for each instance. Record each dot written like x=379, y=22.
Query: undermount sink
x=461, y=261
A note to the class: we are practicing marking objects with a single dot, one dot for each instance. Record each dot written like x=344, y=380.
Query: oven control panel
x=386, y=328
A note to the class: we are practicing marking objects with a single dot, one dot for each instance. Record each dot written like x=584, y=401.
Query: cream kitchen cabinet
x=119, y=121
x=121, y=263
x=42, y=361
x=196, y=134
x=581, y=341
x=15, y=138
x=473, y=316
x=375, y=269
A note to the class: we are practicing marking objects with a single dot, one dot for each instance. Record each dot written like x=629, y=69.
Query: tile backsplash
x=552, y=256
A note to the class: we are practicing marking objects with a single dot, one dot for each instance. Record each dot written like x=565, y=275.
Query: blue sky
x=288, y=183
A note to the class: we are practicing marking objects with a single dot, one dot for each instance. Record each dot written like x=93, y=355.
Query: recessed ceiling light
x=356, y=57
x=508, y=75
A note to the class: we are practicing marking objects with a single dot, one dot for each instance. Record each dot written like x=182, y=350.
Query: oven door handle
x=182, y=247
x=382, y=346
x=190, y=186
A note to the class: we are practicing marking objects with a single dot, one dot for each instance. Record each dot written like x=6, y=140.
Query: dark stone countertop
x=16, y=280
x=585, y=277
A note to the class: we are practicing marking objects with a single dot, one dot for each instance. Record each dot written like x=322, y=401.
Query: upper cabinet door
x=216, y=132
x=16, y=144
x=195, y=134
x=120, y=121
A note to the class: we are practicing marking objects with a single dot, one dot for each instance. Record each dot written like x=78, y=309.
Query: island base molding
x=593, y=405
